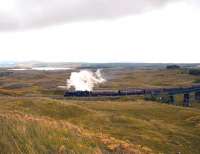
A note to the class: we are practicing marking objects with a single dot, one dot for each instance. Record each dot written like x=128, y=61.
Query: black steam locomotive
x=133, y=91
x=98, y=93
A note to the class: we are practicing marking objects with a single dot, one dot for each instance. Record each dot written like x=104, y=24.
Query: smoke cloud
x=85, y=80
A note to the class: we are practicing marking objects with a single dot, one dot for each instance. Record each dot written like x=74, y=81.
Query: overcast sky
x=100, y=30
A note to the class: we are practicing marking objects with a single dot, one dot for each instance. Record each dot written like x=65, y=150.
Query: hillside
x=44, y=125
x=36, y=119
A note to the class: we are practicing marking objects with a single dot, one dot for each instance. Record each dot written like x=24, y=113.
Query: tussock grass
x=43, y=125
x=32, y=135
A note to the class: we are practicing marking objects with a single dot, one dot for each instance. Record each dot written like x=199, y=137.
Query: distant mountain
x=32, y=64
x=82, y=65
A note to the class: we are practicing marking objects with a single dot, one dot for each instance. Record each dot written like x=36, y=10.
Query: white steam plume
x=85, y=80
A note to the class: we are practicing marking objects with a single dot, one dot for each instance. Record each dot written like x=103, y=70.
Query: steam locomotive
x=98, y=93
x=133, y=91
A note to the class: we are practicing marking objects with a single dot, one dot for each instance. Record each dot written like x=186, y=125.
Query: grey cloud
x=36, y=13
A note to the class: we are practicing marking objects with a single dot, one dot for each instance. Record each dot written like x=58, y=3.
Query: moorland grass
x=159, y=127
x=43, y=125
x=46, y=83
